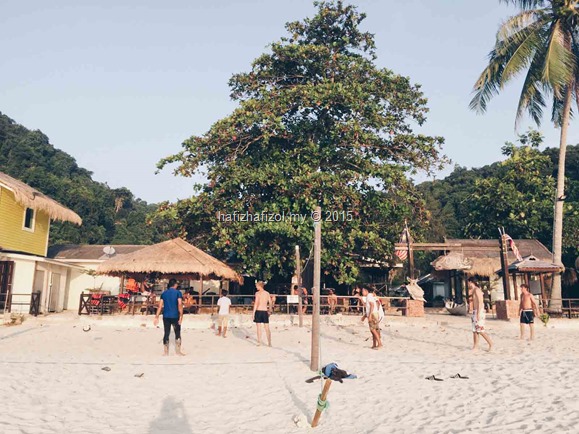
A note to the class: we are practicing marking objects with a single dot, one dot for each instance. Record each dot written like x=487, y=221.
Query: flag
x=513, y=247
x=402, y=254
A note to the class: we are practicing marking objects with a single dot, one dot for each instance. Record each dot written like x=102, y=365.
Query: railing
x=10, y=300
x=569, y=307
x=349, y=305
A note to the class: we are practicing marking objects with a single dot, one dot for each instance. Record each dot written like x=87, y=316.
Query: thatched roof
x=483, y=256
x=485, y=249
x=470, y=266
x=531, y=264
x=34, y=199
x=173, y=258
x=90, y=252
x=452, y=261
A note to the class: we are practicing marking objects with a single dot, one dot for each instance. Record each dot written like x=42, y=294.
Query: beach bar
x=175, y=258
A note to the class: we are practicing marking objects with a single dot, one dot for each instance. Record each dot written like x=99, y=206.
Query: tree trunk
x=556, y=292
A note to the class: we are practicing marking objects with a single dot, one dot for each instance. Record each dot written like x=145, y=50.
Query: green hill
x=109, y=215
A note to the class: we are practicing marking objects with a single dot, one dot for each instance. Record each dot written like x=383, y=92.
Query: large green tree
x=541, y=39
x=518, y=196
x=317, y=123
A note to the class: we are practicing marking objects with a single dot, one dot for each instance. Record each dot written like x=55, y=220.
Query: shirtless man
x=261, y=311
x=478, y=314
x=527, y=310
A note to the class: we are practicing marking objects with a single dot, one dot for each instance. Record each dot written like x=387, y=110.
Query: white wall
x=81, y=282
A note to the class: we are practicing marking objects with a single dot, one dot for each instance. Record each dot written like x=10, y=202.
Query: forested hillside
x=516, y=193
x=109, y=215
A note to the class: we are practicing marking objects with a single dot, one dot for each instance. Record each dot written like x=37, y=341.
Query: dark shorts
x=527, y=317
x=261, y=317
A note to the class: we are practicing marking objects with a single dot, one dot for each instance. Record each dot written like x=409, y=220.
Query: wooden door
x=6, y=276
x=54, y=295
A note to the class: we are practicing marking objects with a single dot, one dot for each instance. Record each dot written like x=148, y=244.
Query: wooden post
x=200, y=292
x=315, y=350
x=299, y=283
x=322, y=398
x=543, y=294
x=505, y=267
x=515, y=286
x=410, y=254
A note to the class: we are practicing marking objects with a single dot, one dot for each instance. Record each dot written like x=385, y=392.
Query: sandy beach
x=53, y=380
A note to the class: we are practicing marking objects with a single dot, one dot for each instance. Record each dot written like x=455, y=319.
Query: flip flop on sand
x=459, y=376
x=433, y=378
x=311, y=380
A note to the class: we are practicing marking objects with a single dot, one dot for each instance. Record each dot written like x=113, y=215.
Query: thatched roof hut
x=174, y=258
x=34, y=199
x=482, y=257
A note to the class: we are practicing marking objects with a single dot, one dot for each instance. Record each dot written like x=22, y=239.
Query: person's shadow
x=171, y=420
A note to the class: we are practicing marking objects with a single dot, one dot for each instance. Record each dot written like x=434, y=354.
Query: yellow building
x=27, y=277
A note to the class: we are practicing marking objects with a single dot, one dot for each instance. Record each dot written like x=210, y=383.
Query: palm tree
x=542, y=39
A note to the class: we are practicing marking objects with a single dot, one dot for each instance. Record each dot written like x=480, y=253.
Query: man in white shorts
x=224, y=302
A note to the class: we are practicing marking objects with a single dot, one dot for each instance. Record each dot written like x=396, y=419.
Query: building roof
x=34, y=199
x=87, y=252
x=483, y=257
x=526, y=248
x=531, y=264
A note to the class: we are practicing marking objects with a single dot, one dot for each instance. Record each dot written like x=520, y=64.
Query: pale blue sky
x=120, y=84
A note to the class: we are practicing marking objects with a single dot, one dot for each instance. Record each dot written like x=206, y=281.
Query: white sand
x=51, y=379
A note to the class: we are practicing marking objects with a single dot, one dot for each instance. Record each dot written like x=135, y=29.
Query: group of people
x=331, y=298
x=528, y=309
x=171, y=305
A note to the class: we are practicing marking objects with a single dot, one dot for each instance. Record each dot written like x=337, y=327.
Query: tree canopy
x=317, y=123
x=516, y=193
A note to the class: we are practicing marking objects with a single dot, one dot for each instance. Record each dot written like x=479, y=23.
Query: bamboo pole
x=299, y=283
x=410, y=254
x=315, y=350
x=200, y=292
x=322, y=400
x=505, y=267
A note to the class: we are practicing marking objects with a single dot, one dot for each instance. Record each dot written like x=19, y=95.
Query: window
x=29, y=219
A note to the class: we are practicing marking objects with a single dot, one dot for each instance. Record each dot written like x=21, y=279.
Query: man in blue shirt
x=171, y=304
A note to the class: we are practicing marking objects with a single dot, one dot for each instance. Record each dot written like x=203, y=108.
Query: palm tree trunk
x=556, y=292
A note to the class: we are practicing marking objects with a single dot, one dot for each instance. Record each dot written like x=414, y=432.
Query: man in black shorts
x=261, y=312
x=527, y=310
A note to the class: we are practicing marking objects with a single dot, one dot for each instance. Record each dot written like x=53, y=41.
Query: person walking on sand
x=527, y=311
x=261, y=310
x=304, y=296
x=371, y=312
x=478, y=314
x=171, y=304
x=224, y=303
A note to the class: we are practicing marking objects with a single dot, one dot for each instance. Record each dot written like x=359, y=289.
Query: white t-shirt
x=370, y=301
x=224, y=304
x=380, y=311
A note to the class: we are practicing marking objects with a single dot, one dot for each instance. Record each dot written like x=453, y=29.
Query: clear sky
x=120, y=84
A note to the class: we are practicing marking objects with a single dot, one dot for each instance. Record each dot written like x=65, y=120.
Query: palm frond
x=532, y=99
x=519, y=22
x=488, y=83
x=520, y=47
x=525, y=4
x=558, y=105
x=559, y=63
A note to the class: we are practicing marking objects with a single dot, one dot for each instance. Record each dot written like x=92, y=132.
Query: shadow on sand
x=171, y=420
